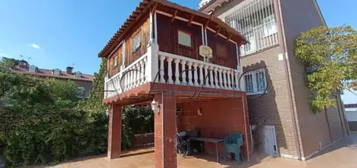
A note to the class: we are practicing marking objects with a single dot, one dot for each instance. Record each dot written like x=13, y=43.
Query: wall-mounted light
x=154, y=106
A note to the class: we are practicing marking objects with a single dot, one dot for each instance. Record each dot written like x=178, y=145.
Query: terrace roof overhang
x=146, y=6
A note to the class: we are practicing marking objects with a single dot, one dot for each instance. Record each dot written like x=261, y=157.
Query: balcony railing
x=255, y=19
x=167, y=68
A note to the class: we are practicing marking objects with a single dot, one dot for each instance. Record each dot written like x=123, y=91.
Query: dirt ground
x=343, y=155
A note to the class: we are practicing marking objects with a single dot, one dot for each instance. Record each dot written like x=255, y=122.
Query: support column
x=114, y=132
x=247, y=133
x=165, y=131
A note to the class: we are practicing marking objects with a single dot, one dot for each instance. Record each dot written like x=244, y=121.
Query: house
x=185, y=65
x=351, y=116
x=278, y=100
x=84, y=81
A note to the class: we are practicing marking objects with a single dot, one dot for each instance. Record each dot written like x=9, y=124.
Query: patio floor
x=343, y=155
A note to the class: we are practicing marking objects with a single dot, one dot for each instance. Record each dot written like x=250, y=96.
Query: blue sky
x=58, y=33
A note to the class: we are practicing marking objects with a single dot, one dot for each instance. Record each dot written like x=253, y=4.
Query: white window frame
x=255, y=87
x=269, y=26
x=136, y=42
x=249, y=85
x=251, y=46
x=184, y=38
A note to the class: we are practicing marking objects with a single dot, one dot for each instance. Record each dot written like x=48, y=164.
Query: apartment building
x=83, y=81
x=283, y=123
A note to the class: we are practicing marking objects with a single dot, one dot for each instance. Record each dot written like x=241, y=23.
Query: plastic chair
x=232, y=144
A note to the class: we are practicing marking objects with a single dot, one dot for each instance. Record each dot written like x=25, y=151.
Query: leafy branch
x=330, y=59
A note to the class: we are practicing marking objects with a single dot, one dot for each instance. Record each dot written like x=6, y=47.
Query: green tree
x=7, y=63
x=330, y=58
x=39, y=120
x=97, y=116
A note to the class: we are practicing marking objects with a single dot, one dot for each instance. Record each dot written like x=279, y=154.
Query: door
x=270, y=145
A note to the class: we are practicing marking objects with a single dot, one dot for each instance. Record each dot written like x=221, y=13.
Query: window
x=136, y=43
x=256, y=21
x=249, y=83
x=269, y=26
x=115, y=61
x=260, y=80
x=251, y=46
x=184, y=39
x=255, y=82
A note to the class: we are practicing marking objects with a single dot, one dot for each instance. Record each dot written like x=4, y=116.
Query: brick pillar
x=114, y=132
x=165, y=131
x=247, y=135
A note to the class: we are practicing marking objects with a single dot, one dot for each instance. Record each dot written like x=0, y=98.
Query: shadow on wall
x=263, y=110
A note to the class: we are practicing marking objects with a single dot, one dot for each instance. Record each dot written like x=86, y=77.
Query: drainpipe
x=291, y=89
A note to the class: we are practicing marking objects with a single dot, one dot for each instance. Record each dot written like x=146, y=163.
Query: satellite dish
x=206, y=52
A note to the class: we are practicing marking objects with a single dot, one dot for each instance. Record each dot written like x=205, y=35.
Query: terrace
x=185, y=66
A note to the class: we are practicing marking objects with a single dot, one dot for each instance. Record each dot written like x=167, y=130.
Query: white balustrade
x=169, y=71
x=130, y=77
x=183, y=72
x=196, y=73
x=161, y=67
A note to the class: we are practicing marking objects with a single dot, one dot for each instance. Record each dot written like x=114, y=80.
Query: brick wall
x=216, y=118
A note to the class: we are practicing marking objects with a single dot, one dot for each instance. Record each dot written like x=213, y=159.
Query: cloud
x=35, y=46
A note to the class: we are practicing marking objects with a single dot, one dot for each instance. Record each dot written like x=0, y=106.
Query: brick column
x=114, y=132
x=165, y=131
x=247, y=135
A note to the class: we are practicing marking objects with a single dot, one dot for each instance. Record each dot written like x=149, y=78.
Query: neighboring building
x=275, y=80
x=157, y=57
x=351, y=116
x=84, y=81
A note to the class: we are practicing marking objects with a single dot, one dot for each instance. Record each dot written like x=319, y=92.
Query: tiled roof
x=49, y=73
x=350, y=105
x=144, y=7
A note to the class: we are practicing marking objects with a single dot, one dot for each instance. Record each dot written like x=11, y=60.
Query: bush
x=42, y=122
x=47, y=121
x=136, y=120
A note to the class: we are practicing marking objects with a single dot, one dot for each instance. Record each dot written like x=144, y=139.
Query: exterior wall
x=86, y=85
x=296, y=22
x=276, y=107
x=129, y=56
x=224, y=51
x=351, y=116
x=273, y=108
x=215, y=118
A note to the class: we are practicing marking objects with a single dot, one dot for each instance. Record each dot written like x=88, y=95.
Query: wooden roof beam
x=191, y=19
x=174, y=15
x=218, y=29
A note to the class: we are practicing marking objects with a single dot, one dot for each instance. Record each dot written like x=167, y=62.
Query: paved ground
x=342, y=156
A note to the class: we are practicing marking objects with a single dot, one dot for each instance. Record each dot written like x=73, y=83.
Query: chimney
x=69, y=70
x=23, y=64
